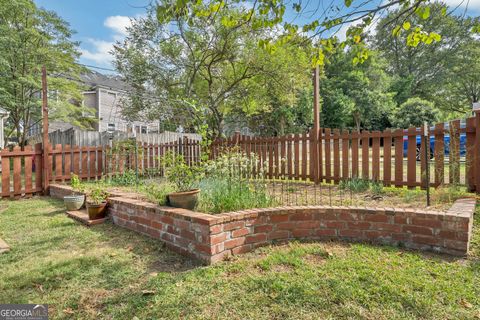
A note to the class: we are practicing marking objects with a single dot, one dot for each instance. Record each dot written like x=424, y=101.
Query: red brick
x=387, y=227
x=327, y=216
x=264, y=228
x=400, y=237
x=334, y=224
x=376, y=218
x=361, y=225
x=346, y=216
x=400, y=220
x=182, y=224
x=234, y=243
x=431, y=223
x=255, y=238
x=433, y=241
x=456, y=245
x=242, y=249
x=166, y=219
x=233, y=225
x=240, y=232
x=141, y=228
x=214, y=239
x=204, y=248
x=172, y=230
x=187, y=234
x=325, y=232
x=154, y=233
x=372, y=234
x=286, y=226
x=301, y=233
x=157, y=225
x=302, y=216
x=275, y=218
x=216, y=228
x=418, y=230
x=447, y=234
x=308, y=224
x=279, y=234
x=350, y=233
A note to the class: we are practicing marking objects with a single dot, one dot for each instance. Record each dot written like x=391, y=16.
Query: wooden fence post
x=45, y=163
x=477, y=152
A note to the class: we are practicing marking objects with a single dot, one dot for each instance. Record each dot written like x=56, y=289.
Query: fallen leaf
x=68, y=311
x=466, y=304
x=148, y=292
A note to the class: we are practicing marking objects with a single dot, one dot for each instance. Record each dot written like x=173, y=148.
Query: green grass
x=107, y=272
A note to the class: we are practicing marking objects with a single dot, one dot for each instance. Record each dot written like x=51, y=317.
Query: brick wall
x=211, y=238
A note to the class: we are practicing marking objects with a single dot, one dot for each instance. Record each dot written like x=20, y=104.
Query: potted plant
x=97, y=203
x=76, y=200
x=184, y=179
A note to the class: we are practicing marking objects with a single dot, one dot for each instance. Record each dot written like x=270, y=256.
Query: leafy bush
x=377, y=188
x=179, y=173
x=128, y=178
x=156, y=192
x=233, y=183
x=75, y=183
x=97, y=194
x=355, y=185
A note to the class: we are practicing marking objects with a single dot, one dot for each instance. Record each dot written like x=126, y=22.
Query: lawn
x=108, y=272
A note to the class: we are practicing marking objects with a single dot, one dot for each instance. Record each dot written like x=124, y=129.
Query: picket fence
x=23, y=173
x=335, y=155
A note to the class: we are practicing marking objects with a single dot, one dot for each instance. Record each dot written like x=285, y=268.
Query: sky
x=99, y=23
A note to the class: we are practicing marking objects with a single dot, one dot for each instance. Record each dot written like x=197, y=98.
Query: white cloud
x=99, y=51
x=341, y=33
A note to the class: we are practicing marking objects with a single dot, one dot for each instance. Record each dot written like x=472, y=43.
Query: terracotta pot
x=96, y=211
x=74, y=202
x=185, y=200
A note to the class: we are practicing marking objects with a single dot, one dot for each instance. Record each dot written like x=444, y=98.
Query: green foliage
x=414, y=113
x=75, y=183
x=376, y=188
x=156, y=192
x=178, y=173
x=355, y=185
x=31, y=38
x=97, y=194
x=127, y=178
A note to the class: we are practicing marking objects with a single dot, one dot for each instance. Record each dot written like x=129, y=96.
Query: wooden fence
x=22, y=170
x=393, y=157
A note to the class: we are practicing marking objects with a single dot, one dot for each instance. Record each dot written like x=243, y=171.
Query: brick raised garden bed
x=211, y=238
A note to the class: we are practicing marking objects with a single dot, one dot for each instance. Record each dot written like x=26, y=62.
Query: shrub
x=377, y=188
x=355, y=185
x=97, y=194
x=182, y=176
x=128, y=178
x=156, y=192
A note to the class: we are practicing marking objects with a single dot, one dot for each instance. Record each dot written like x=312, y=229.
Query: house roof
x=95, y=79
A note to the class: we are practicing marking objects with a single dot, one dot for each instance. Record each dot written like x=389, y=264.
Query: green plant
x=97, y=194
x=355, y=185
x=127, y=178
x=75, y=183
x=377, y=188
x=182, y=176
x=156, y=192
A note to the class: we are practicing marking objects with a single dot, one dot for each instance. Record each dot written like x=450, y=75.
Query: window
x=144, y=129
x=111, y=127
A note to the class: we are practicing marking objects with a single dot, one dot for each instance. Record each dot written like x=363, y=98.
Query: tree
x=425, y=70
x=29, y=38
x=355, y=96
x=204, y=68
x=414, y=113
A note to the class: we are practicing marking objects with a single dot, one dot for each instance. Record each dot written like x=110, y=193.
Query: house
x=106, y=94
x=3, y=115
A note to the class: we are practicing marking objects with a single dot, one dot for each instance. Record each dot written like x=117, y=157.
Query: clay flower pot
x=74, y=202
x=96, y=211
x=186, y=199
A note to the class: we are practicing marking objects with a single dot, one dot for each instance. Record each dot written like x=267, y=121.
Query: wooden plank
x=355, y=147
x=67, y=160
x=6, y=173
x=93, y=165
x=76, y=160
x=17, y=173
x=345, y=155
x=365, y=136
x=376, y=156
x=454, y=152
x=58, y=163
x=290, y=156
x=439, y=154
x=269, y=147
x=477, y=152
x=398, y=157
x=304, y=156
x=38, y=166
x=319, y=156
x=470, y=154
x=387, y=158
x=336, y=156
x=412, y=157
x=297, y=156
x=328, y=156
x=283, y=151
x=28, y=173
x=84, y=156
x=100, y=161
x=423, y=160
